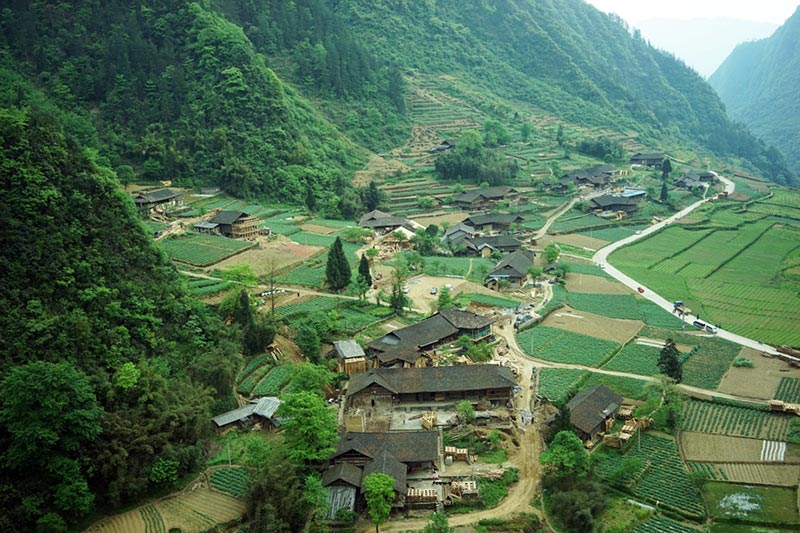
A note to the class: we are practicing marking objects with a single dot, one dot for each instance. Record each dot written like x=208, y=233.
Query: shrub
x=741, y=361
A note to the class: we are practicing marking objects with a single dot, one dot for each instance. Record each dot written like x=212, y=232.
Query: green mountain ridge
x=758, y=83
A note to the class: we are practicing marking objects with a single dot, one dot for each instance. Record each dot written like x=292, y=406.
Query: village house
x=231, y=224
x=629, y=202
x=350, y=356
x=382, y=223
x=485, y=198
x=387, y=387
x=360, y=454
x=161, y=198
x=648, y=159
x=445, y=146
x=456, y=234
x=591, y=411
x=485, y=246
x=493, y=222
x=259, y=410
x=689, y=182
x=411, y=346
x=512, y=268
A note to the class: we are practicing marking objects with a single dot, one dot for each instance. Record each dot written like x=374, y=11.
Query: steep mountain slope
x=107, y=367
x=758, y=83
x=565, y=57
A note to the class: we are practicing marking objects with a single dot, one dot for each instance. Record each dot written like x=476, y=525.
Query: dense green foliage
x=565, y=57
x=90, y=304
x=758, y=84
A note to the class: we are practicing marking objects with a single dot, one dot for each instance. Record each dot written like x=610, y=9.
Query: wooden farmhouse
x=361, y=454
x=387, y=387
x=486, y=246
x=415, y=345
x=513, y=268
x=456, y=234
x=629, y=202
x=350, y=356
x=382, y=223
x=493, y=222
x=261, y=410
x=161, y=198
x=485, y=198
x=236, y=224
x=591, y=411
x=648, y=159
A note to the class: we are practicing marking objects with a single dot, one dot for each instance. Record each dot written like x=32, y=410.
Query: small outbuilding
x=350, y=356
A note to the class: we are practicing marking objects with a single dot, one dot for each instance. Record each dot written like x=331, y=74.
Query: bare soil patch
x=281, y=252
x=452, y=218
x=581, y=240
x=612, y=329
x=780, y=475
x=314, y=228
x=759, y=382
x=709, y=448
x=377, y=169
x=595, y=284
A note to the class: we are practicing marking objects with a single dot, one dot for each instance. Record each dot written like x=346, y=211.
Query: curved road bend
x=601, y=256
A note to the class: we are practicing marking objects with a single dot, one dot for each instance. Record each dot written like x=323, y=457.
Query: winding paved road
x=601, y=257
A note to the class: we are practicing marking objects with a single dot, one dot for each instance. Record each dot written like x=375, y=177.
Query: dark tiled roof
x=406, y=447
x=385, y=222
x=424, y=333
x=160, y=195
x=608, y=201
x=465, y=319
x=346, y=472
x=493, y=218
x=517, y=262
x=386, y=463
x=601, y=169
x=434, y=379
x=227, y=217
x=495, y=242
x=373, y=215
x=491, y=193
x=648, y=156
x=591, y=406
x=460, y=227
x=399, y=353
x=206, y=225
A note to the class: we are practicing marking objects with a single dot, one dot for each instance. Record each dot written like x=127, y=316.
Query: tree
x=668, y=361
x=438, y=524
x=337, y=270
x=666, y=168
x=664, y=196
x=242, y=274
x=308, y=377
x=307, y=339
x=278, y=498
x=379, y=492
x=551, y=253
x=445, y=299
x=398, y=300
x=372, y=197
x=566, y=457
x=465, y=410
x=363, y=269
x=525, y=131
x=535, y=273
x=561, y=422
x=495, y=133
x=309, y=427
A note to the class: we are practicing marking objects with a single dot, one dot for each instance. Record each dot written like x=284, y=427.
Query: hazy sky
x=776, y=11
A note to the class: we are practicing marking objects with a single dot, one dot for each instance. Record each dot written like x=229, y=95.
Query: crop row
x=211, y=289
x=202, y=250
x=734, y=421
x=788, y=390
x=230, y=480
x=608, y=305
x=636, y=359
x=318, y=303
x=667, y=481
x=152, y=519
x=662, y=524
x=250, y=382
x=255, y=362
x=274, y=382
x=561, y=346
x=557, y=384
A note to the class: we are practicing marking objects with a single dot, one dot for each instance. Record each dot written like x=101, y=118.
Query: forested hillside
x=565, y=57
x=109, y=369
x=758, y=83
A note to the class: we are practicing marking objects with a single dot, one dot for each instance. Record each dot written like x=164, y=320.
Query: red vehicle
x=641, y=290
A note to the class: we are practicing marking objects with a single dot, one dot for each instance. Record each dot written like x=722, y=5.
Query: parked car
x=711, y=329
x=640, y=289
x=434, y=290
x=405, y=289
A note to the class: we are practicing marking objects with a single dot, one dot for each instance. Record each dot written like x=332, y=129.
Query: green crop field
x=744, y=503
x=653, y=315
x=274, y=381
x=627, y=387
x=733, y=421
x=317, y=303
x=556, y=384
x=706, y=363
x=788, y=390
x=663, y=477
x=731, y=268
x=662, y=524
x=574, y=221
x=312, y=272
x=202, y=250
x=612, y=234
x=230, y=480
x=205, y=287
x=609, y=305
x=561, y=346
x=636, y=359
x=586, y=268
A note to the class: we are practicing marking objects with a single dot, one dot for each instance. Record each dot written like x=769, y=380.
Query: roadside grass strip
x=561, y=346
x=663, y=477
x=788, y=390
x=735, y=421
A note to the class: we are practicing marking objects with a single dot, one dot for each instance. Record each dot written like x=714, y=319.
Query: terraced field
x=779, y=475
x=202, y=250
x=735, y=421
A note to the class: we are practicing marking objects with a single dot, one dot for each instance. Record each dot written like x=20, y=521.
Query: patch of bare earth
x=612, y=329
x=377, y=169
x=595, y=284
x=759, y=382
x=280, y=254
x=314, y=228
x=582, y=241
x=452, y=218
